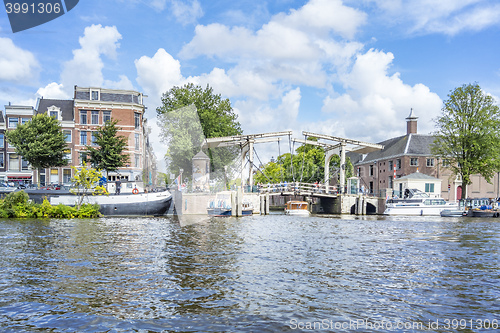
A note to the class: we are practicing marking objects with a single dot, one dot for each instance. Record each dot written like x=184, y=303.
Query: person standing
x=118, y=185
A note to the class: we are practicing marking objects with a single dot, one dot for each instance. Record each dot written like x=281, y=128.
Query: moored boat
x=480, y=207
x=221, y=206
x=297, y=208
x=416, y=202
x=141, y=204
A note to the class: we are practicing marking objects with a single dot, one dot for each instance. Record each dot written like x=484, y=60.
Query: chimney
x=411, y=123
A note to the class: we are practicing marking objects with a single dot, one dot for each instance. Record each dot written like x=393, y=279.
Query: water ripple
x=255, y=274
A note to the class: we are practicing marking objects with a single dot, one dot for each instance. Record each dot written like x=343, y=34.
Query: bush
x=88, y=211
x=18, y=205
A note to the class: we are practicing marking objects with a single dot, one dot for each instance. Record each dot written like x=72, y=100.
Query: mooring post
x=239, y=201
x=233, y=203
x=267, y=203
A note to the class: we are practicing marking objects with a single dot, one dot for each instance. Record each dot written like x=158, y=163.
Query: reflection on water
x=253, y=274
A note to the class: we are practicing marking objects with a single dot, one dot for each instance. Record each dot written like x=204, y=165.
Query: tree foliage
x=39, y=141
x=308, y=166
x=468, y=134
x=86, y=181
x=108, y=155
x=214, y=117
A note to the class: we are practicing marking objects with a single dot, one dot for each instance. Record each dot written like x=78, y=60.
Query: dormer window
x=54, y=112
x=94, y=95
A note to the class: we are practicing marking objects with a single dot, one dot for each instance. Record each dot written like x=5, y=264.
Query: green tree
x=214, y=114
x=108, y=155
x=86, y=181
x=40, y=141
x=468, y=134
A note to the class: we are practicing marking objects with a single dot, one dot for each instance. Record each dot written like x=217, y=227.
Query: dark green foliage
x=468, y=134
x=40, y=141
x=308, y=166
x=109, y=153
x=17, y=205
x=215, y=116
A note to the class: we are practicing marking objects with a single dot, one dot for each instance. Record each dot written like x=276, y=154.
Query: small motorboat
x=297, y=208
x=221, y=205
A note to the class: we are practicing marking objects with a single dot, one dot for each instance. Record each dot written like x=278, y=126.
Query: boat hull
x=220, y=212
x=297, y=212
x=144, y=204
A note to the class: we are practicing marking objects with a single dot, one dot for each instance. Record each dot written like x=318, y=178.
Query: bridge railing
x=297, y=187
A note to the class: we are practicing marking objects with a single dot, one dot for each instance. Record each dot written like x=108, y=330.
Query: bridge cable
x=281, y=161
x=291, y=155
x=303, y=158
x=260, y=164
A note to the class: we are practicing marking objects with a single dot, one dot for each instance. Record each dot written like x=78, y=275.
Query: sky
x=346, y=68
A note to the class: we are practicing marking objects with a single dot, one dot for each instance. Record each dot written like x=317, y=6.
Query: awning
x=19, y=177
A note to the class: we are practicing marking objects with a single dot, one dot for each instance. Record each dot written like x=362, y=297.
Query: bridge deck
x=306, y=189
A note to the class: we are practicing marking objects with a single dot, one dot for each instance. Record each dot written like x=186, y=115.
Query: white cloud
x=187, y=13
x=375, y=103
x=158, y=74
x=260, y=117
x=123, y=83
x=53, y=91
x=448, y=17
x=17, y=65
x=85, y=69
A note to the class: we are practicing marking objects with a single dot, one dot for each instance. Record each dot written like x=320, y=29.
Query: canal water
x=271, y=273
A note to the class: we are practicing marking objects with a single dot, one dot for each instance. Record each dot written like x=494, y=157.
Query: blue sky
x=351, y=68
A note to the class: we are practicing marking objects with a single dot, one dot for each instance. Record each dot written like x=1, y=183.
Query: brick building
x=408, y=154
x=80, y=118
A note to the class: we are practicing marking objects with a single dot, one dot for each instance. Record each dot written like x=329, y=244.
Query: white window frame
x=84, y=113
x=70, y=135
x=105, y=115
x=11, y=122
x=86, y=138
x=92, y=114
x=95, y=95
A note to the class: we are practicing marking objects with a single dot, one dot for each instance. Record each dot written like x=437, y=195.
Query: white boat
x=416, y=202
x=152, y=203
x=297, y=208
x=221, y=205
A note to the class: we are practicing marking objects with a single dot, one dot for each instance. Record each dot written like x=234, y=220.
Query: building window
x=24, y=120
x=430, y=162
x=13, y=162
x=429, y=187
x=398, y=164
x=67, y=135
x=83, y=117
x=13, y=122
x=94, y=138
x=2, y=161
x=391, y=166
x=106, y=116
x=66, y=176
x=94, y=95
x=137, y=161
x=82, y=159
x=2, y=140
x=137, y=141
x=137, y=118
x=83, y=138
x=67, y=155
x=94, y=117
x=24, y=165
x=371, y=170
x=446, y=163
x=414, y=161
x=53, y=114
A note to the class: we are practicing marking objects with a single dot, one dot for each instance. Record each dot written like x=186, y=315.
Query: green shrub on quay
x=18, y=205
